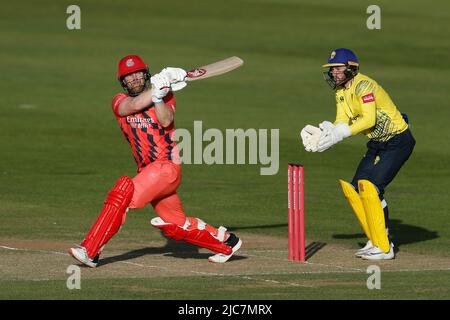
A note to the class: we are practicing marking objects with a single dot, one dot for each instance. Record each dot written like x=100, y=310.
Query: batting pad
x=374, y=214
x=111, y=217
x=356, y=204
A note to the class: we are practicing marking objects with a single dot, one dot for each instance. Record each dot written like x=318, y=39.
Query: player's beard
x=137, y=86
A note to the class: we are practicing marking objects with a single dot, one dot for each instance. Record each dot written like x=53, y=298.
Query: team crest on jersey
x=368, y=98
x=341, y=98
x=129, y=63
x=377, y=159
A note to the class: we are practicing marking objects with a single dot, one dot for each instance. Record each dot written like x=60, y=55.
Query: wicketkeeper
x=363, y=106
x=146, y=117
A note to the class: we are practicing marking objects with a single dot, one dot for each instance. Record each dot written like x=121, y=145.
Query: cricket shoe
x=377, y=254
x=364, y=249
x=81, y=255
x=234, y=243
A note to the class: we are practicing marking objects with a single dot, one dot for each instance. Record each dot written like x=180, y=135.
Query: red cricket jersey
x=149, y=140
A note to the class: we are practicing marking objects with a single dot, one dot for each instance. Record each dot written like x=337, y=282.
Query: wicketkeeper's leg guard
x=374, y=214
x=111, y=217
x=195, y=235
x=356, y=204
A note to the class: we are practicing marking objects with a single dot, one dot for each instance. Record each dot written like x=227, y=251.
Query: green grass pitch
x=61, y=149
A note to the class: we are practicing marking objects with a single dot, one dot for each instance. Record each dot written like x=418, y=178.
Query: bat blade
x=214, y=69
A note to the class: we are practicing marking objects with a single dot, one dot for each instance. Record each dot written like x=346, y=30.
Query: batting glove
x=176, y=77
x=160, y=87
x=174, y=74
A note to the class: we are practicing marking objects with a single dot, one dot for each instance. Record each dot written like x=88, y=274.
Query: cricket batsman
x=363, y=106
x=145, y=114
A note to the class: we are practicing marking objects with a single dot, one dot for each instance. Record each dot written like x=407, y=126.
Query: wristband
x=156, y=100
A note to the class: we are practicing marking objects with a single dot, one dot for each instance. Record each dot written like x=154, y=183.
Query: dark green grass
x=394, y=285
x=59, y=158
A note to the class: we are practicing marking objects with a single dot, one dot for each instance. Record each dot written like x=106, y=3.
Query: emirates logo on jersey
x=129, y=63
x=140, y=123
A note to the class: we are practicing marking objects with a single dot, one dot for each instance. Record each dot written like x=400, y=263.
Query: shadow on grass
x=313, y=248
x=310, y=250
x=400, y=234
x=172, y=248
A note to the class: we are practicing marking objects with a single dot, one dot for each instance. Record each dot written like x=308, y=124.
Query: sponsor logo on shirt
x=368, y=98
x=136, y=122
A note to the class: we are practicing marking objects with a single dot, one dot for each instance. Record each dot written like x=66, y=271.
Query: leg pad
x=198, y=236
x=358, y=208
x=374, y=214
x=111, y=217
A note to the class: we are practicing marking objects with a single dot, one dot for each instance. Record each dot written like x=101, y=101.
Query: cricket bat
x=210, y=70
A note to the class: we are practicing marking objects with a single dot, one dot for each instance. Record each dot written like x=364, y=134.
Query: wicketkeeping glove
x=332, y=134
x=310, y=137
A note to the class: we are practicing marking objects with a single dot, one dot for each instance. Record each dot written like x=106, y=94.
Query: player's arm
x=160, y=88
x=367, y=119
x=164, y=114
x=333, y=134
x=340, y=114
x=131, y=105
x=168, y=77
